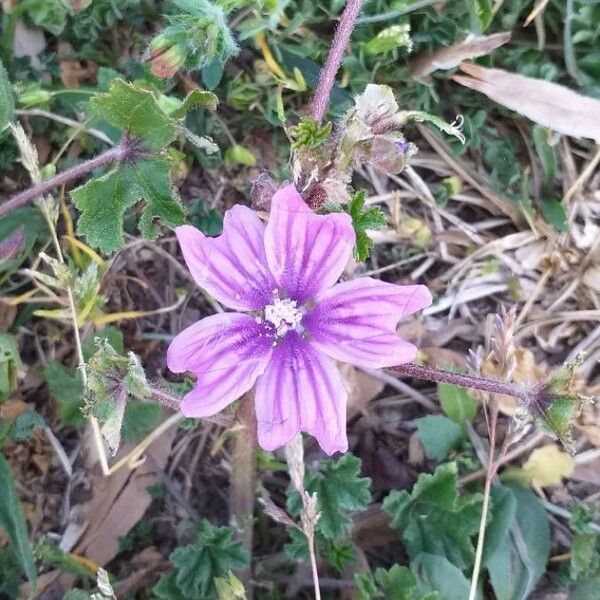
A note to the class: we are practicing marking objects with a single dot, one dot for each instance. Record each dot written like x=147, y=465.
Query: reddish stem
x=334, y=59
x=125, y=151
x=469, y=381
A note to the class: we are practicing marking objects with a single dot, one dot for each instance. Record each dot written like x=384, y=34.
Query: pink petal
x=301, y=390
x=226, y=353
x=232, y=267
x=306, y=252
x=355, y=321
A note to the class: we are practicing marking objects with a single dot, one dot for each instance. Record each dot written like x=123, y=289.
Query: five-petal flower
x=297, y=322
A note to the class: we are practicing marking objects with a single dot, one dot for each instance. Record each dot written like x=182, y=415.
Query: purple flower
x=297, y=322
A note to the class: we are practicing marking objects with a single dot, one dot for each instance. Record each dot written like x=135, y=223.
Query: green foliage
x=208, y=220
x=364, y=218
x=66, y=387
x=517, y=542
x=135, y=111
x=434, y=519
x=554, y=212
x=229, y=588
x=13, y=522
x=101, y=222
x=585, y=557
x=439, y=435
x=115, y=384
x=25, y=424
x=390, y=38
x=196, y=99
x=440, y=578
x=19, y=232
x=10, y=361
x=50, y=555
x=339, y=489
x=309, y=134
x=456, y=403
x=213, y=554
x=239, y=155
x=7, y=99
x=396, y=583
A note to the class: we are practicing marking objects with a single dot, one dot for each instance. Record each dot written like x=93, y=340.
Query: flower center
x=284, y=315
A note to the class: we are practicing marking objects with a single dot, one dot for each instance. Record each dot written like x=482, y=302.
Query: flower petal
x=306, y=252
x=301, y=390
x=355, y=321
x=232, y=267
x=226, y=352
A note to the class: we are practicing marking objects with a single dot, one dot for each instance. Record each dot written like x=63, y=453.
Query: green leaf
x=238, y=155
x=339, y=489
x=554, y=212
x=339, y=554
x=362, y=219
x=434, y=519
x=25, y=424
x=438, y=574
x=297, y=547
x=213, y=554
x=13, y=522
x=457, y=403
x=545, y=153
x=585, y=559
x=519, y=559
x=10, y=361
x=229, y=588
x=135, y=111
x=66, y=387
x=439, y=435
x=196, y=99
x=140, y=418
x=104, y=200
x=390, y=38
x=7, y=99
x=19, y=231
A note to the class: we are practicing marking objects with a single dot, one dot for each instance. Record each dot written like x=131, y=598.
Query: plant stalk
x=341, y=38
x=126, y=150
x=243, y=478
x=490, y=472
x=492, y=386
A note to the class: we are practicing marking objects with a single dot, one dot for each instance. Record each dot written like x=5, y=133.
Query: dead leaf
x=7, y=316
x=362, y=388
x=548, y=465
x=119, y=502
x=527, y=371
x=588, y=422
x=451, y=56
x=546, y=103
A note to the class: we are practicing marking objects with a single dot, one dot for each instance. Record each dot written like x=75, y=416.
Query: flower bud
x=165, y=63
x=34, y=97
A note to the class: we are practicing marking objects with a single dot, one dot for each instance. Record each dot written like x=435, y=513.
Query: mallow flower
x=292, y=322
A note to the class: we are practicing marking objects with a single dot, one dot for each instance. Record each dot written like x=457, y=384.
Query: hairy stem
x=334, y=59
x=243, y=477
x=126, y=150
x=492, y=386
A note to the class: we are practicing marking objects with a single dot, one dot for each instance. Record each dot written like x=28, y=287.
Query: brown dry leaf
x=451, y=56
x=588, y=423
x=548, y=465
x=7, y=316
x=527, y=371
x=545, y=103
x=362, y=388
x=12, y=408
x=119, y=502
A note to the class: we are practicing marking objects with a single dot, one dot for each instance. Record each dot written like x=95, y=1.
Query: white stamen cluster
x=284, y=315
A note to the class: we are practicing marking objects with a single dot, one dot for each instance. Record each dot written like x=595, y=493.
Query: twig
x=243, y=477
x=46, y=114
x=334, y=59
x=125, y=151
